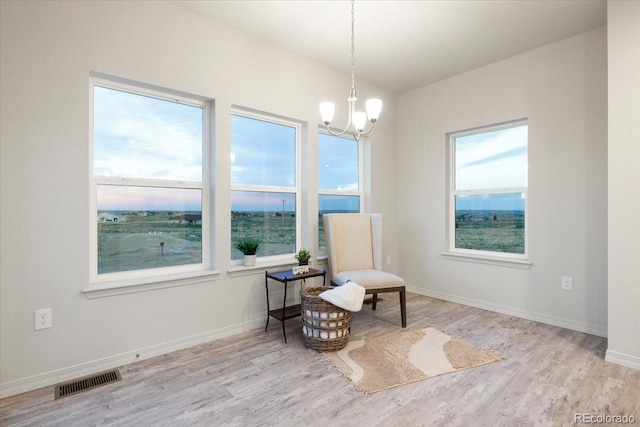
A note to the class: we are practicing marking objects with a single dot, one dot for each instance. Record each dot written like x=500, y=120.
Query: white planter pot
x=249, y=260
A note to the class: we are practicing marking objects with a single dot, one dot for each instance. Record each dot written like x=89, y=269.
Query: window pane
x=489, y=160
x=337, y=163
x=490, y=222
x=334, y=204
x=268, y=216
x=139, y=136
x=262, y=153
x=146, y=227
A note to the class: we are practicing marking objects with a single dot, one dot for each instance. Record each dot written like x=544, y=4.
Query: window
x=339, y=188
x=150, y=192
x=488, y=191
x=264, y=183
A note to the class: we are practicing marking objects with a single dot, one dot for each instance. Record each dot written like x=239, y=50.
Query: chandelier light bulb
x=327, y=110
x=359, y=120
x=373, y=106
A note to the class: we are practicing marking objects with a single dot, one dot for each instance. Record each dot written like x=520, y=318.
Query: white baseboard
x=47, y=379
x=622, y=359
x=515, y=312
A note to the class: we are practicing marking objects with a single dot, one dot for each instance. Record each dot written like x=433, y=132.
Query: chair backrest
x=354, y=241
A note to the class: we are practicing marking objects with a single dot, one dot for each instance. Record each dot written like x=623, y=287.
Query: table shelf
x=289, y=312
x=286, y=276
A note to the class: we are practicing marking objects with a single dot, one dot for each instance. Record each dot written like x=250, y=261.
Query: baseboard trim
x=622, y=359
x=47, y=379
x=515, y=312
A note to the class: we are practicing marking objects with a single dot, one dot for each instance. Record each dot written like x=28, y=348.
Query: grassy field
x=277, y=232
x=498, y=231
x=138, y=242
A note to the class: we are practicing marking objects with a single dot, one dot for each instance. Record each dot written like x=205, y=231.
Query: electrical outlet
x=566, y=283
x=388, y=259
x=43, y=318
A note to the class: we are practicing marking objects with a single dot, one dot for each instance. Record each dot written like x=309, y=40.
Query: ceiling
x=401, y=45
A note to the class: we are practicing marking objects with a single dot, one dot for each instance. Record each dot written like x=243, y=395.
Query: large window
x=488, y=191
x=339, y=183
x=150, y=185
x=264, y=183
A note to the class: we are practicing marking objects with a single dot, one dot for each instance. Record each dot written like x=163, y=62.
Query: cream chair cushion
x=369, y=279
x=351, y=243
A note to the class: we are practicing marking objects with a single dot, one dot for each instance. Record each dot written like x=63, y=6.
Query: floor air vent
x=86, y=383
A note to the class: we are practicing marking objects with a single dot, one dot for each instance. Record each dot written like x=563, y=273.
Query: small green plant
x=248, y=245
x=303, y=256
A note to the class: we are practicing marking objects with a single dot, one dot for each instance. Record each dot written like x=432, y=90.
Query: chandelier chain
x=353, y=49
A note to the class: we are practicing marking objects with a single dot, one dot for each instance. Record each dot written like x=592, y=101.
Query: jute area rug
x=381, y=363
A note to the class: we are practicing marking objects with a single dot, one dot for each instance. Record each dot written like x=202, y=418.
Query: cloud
x=505, y=155
x=490, y=160
x=143, y=137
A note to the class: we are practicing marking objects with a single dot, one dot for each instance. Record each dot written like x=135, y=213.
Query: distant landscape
x=277, y=231
x=139, y=240
x=498, y=231
x=132, y=240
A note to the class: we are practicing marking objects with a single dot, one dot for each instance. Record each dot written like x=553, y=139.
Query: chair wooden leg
x=374, y=302
x=403, y=307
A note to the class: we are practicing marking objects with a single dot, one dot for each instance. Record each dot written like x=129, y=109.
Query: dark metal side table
x=285, y=277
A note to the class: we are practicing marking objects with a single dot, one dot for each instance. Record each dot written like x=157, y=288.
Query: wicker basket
x=325, y=327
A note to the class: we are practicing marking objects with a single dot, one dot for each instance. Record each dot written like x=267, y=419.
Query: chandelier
x=357, y=119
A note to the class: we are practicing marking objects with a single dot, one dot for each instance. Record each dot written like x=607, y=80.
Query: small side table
x=285, y=277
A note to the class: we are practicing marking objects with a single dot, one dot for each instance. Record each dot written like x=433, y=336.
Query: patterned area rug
x=381, y=363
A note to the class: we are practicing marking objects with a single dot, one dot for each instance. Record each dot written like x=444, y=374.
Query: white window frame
x=144, y=279
x=489, y=257
x=327, y=192
x=280, y=258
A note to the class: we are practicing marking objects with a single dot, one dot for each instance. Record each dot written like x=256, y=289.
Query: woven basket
x=325, y=327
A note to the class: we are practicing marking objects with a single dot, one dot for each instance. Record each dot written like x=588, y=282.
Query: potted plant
x=248, y=246
x=303, y=256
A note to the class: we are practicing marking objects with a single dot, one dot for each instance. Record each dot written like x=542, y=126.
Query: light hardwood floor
x=547, y=376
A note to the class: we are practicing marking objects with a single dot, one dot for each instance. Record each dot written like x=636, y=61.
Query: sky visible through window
x=491, y=161
x=263, y=154
x=337, y=163
x=138, y=136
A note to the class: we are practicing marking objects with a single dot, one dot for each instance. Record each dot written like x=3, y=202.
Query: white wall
x=623, y=31
x=562, y=90
x=48, y=50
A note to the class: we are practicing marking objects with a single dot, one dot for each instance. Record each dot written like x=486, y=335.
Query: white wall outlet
x=388, y=259
x=566, y=283
x=43, y=318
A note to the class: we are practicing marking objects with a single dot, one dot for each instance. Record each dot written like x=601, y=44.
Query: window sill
x=483, y=259
x=259, y=268
x=120, y=287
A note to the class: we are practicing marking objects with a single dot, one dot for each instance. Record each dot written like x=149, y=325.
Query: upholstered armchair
x=354, y=251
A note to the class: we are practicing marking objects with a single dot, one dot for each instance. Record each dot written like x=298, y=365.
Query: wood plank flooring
x=547, y=376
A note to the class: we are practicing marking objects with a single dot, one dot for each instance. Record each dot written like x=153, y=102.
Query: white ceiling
x=400, y=44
